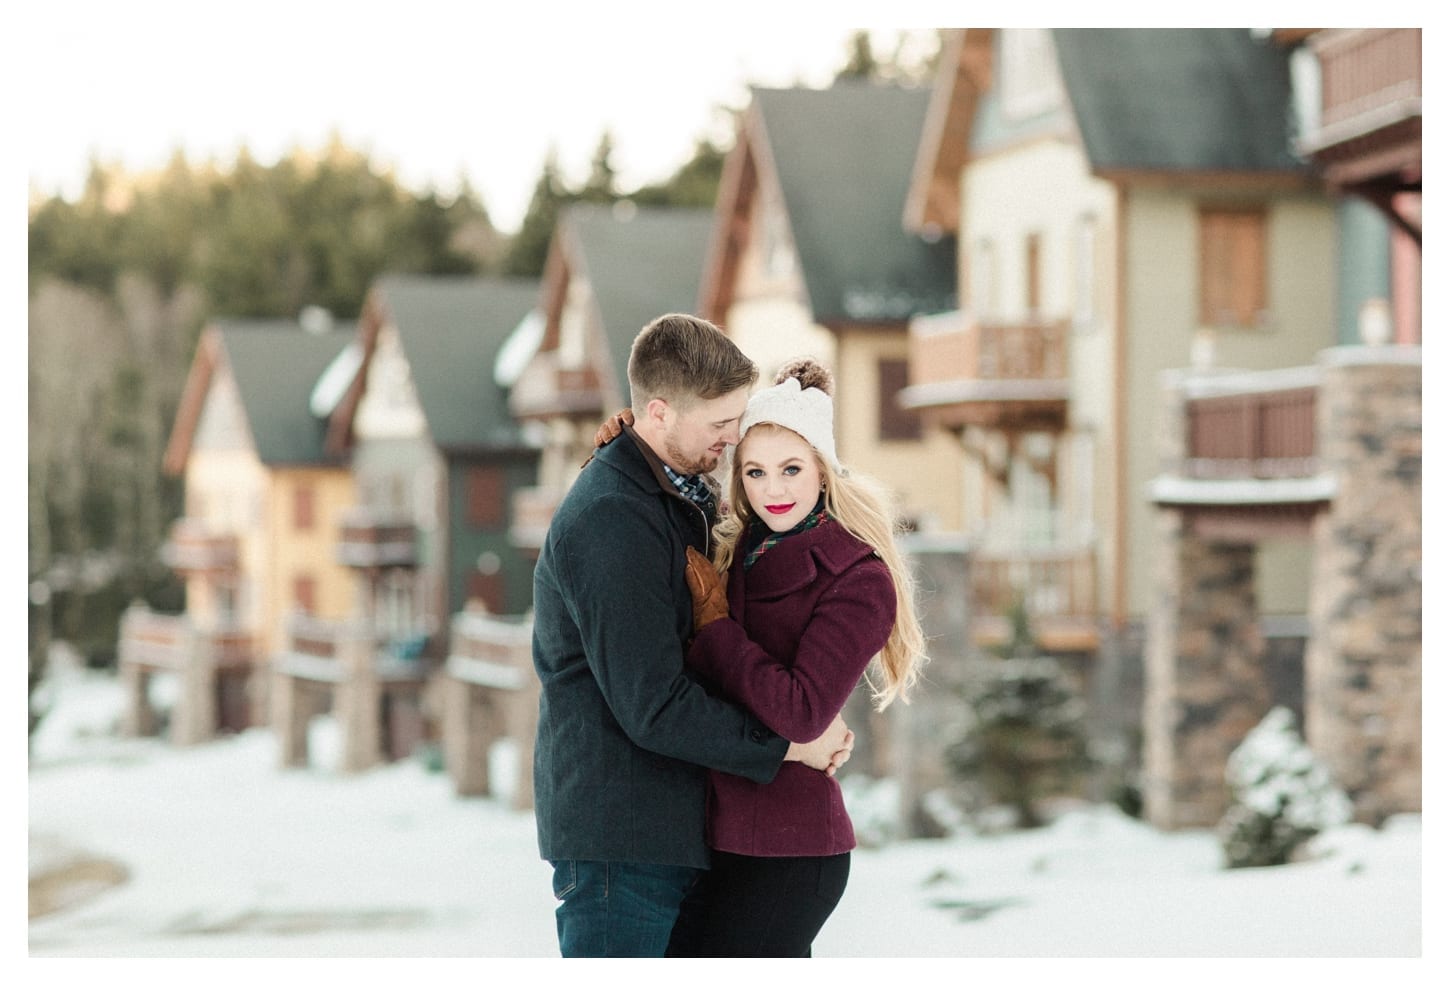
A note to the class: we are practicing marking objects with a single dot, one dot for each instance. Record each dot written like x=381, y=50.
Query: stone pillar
x=919, y=733
x=358, y=700
x=1205, y=680
x=466, y=736
x=523, y=718
x=137, y=716
x=194, y=720
x=1362, y=664
x=290, y=712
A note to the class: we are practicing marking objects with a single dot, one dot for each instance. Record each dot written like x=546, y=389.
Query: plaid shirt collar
x=694, y=488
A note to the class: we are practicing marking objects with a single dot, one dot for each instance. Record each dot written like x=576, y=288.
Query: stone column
x=1205, y=681
x=194, y=720
x=358, y=700
x=465, y=736
x=1362, y=664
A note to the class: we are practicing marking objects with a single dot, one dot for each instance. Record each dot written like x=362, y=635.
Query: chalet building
x=808, y=256
x=1121, y=209
x=611, y=270
x=434, y=451
x=1327, y=455
x=264, y=499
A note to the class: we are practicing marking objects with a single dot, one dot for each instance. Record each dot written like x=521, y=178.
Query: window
x=485, y=497
x=304, y=594
x=897, y=423
x=1084, y=274
x=984, y=281
x=303, y=508
x=1034, y=274
x=1231, y=266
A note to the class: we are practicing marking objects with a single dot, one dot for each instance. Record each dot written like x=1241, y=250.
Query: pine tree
x=1025, y=738
x=529, y=248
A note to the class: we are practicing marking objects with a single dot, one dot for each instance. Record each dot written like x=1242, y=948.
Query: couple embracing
x=694, y=663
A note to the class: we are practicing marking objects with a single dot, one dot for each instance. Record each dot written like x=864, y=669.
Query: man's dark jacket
x=625, y=732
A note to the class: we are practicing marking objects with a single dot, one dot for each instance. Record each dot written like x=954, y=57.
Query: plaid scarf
x=769, y=539
x=693, y=488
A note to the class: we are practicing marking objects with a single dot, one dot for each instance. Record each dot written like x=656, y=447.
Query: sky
x=231, y=856
x=434, y=89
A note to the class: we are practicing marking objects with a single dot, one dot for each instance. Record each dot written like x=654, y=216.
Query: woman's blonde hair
x=862, y=507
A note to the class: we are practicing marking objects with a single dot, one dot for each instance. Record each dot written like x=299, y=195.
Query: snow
x=230, y=855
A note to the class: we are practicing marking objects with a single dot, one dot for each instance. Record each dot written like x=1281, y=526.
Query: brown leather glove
x=613, y=428
x=706, y=589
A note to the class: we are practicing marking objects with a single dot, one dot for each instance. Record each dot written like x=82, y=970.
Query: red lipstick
x=781, y=508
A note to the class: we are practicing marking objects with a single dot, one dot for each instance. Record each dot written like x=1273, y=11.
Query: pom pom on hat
x=800, y=401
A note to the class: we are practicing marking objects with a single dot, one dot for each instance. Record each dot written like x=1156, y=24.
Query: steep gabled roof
x=843, y=158
x=275, y=365
x=1179, y=100
x=451, y=329
x=641, y=262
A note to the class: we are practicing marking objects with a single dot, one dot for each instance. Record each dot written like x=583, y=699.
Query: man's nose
x=732, y=434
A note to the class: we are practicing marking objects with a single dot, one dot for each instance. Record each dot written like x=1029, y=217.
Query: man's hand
x=707, y=592
x=828, y=751
x=614, y=427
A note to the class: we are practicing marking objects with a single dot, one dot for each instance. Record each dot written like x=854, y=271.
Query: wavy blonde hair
x=861, y=506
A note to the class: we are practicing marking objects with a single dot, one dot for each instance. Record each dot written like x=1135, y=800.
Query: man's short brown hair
x=684, y=359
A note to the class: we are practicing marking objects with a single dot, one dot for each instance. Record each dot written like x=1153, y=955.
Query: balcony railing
x=167, y=642
x=533, y=509
x=1266, y=434
x=546, y=389
x=194, y=549
x=992, y=375
x=1057, y=585
x=1365, y=74
x=366, y=541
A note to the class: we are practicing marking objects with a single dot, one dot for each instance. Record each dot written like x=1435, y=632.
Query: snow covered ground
x=227, y=855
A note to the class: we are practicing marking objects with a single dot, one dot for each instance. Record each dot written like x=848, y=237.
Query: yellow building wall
x=226, y=490
x=925, y=475
x=294, y=552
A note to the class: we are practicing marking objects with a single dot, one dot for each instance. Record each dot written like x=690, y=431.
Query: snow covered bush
x=1282, y=796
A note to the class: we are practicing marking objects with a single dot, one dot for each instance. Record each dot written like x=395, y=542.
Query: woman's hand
x=613, y=428
x=707, y=591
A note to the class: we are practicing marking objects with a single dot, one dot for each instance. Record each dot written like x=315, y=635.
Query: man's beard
x=691, y=466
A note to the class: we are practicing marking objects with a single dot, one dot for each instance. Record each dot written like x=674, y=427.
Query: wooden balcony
x=1002, y=376
x=1250, y=467
x=1058, y=586
x=533, y=509
x=369, y=541
x=546, y=389
x=194, y=549
x=1370, y=81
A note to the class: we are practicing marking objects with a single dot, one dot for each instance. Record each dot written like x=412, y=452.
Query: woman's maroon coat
x=804, y=623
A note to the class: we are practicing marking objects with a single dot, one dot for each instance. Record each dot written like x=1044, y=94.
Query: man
x=625, y=734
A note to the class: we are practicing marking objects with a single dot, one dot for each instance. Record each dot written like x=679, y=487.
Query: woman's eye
x=754, y=473
x=792, y=470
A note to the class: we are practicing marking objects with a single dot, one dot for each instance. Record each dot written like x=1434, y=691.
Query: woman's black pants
x=759, y=905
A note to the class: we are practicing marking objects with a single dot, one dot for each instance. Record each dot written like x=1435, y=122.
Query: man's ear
x=658, y=411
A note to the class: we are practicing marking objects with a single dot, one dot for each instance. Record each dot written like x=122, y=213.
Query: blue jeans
x=617, y=909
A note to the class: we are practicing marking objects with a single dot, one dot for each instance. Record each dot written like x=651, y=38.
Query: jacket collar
x=799, y=560
x=638, y=461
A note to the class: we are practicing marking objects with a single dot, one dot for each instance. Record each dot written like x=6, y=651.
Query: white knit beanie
x=808, y=411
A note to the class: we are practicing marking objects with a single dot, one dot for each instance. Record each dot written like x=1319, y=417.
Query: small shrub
x=1282, y=796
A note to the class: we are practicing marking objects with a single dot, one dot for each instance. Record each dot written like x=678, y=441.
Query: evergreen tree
x=1026, y=737
x=529, y=248
x=600, y=187
x=860, y=63
x=696, y=183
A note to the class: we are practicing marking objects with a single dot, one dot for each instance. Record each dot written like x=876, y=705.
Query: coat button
x=758, y=735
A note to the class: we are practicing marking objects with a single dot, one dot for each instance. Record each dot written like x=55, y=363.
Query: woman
x=817, y=594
